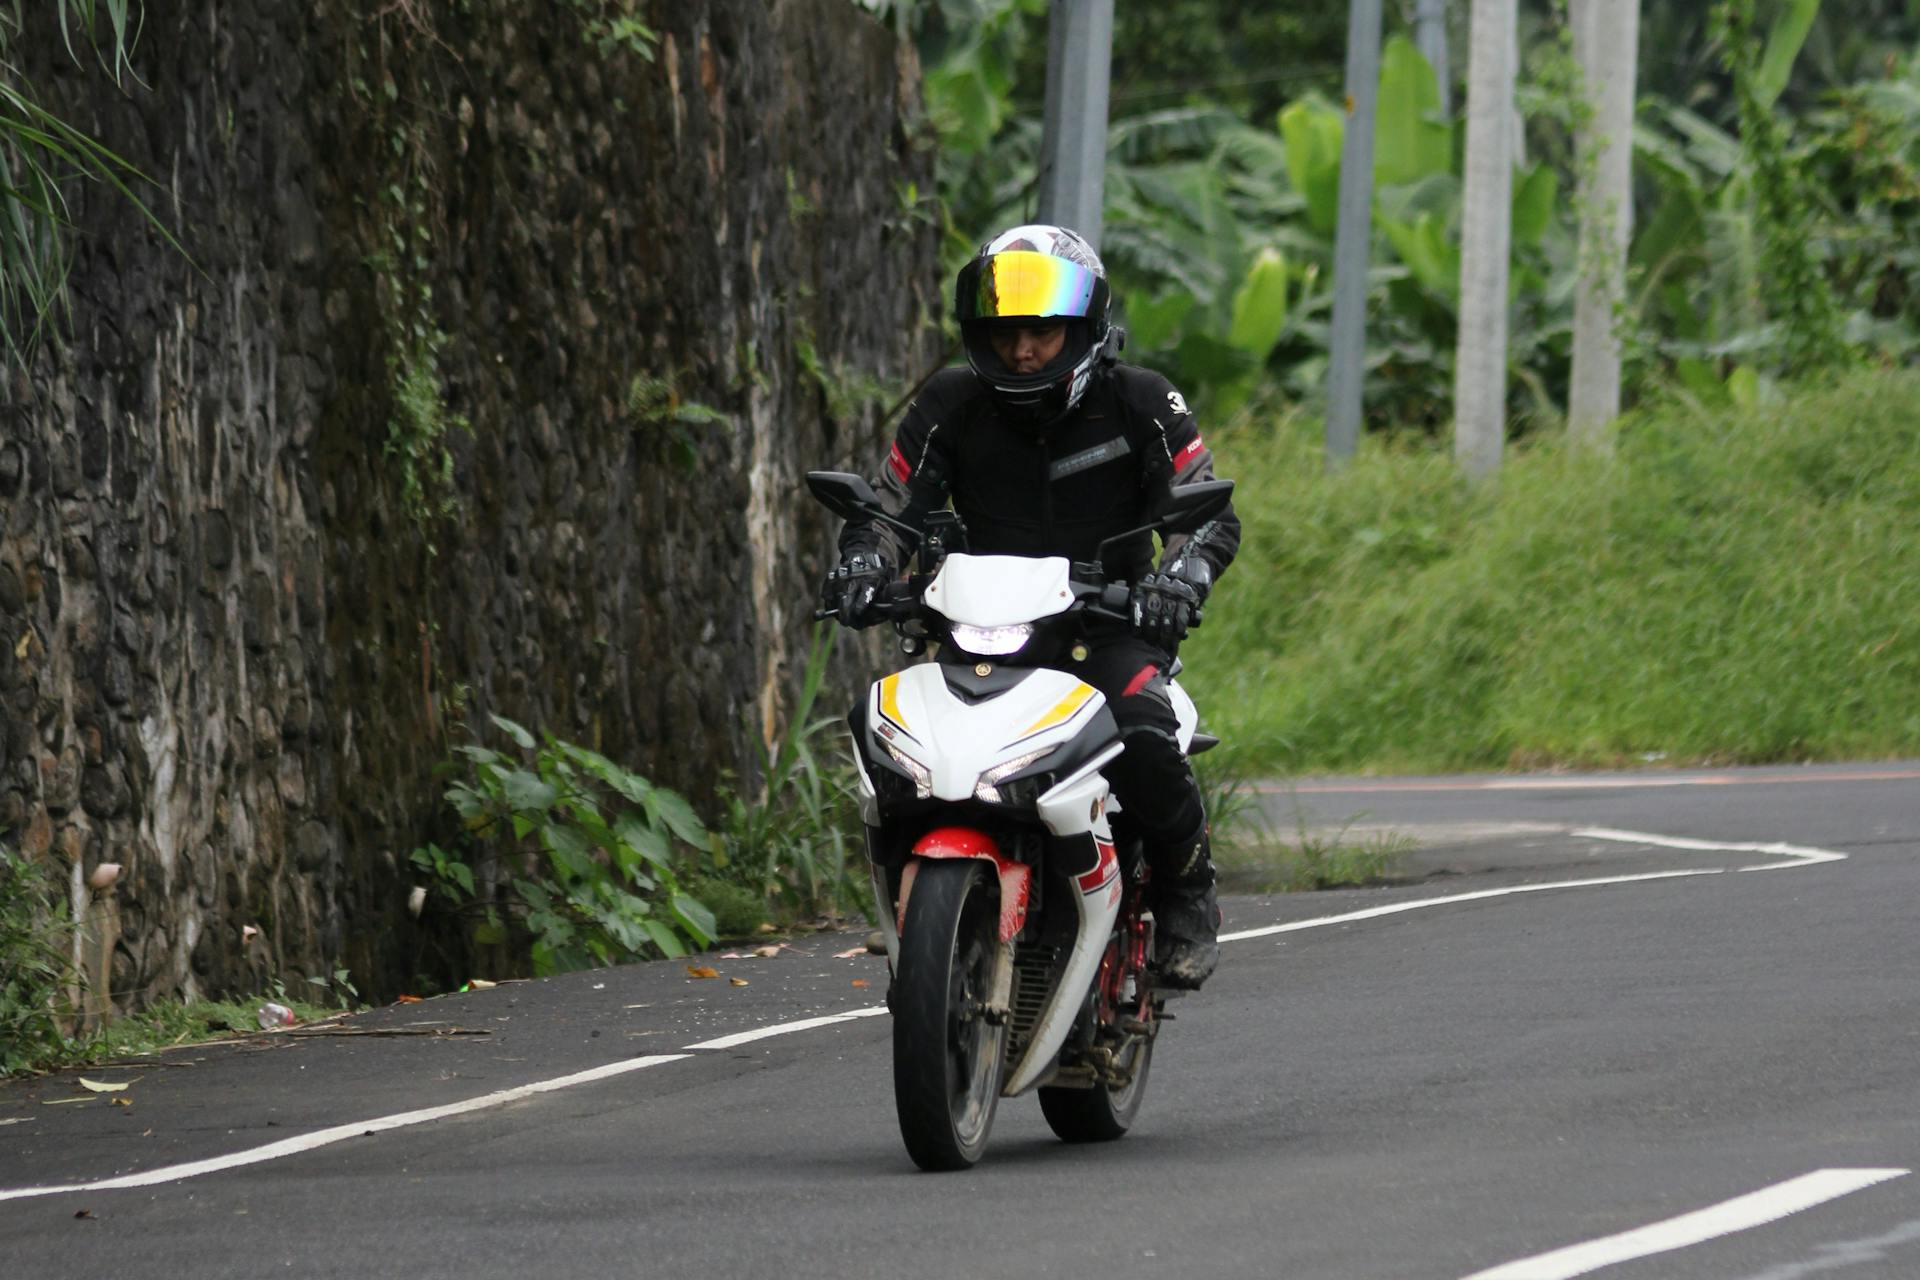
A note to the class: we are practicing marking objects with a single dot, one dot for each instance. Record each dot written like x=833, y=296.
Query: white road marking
x=1742, y=1213
x=1395, y=908
x=1626, y=782
x=325, y=1137
x=1796, y=855
x=785, y=1028
x=1799, y=855
x=341, y=1132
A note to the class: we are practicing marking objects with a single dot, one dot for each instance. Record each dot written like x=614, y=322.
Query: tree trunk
x=1430, y=33
x=1480, y=366
x=1606, y=44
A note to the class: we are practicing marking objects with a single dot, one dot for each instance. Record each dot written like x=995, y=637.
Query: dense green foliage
x=570, y=860
x=561, y=844
x=35, y=965
x=1734, y=586
x=1779, y=140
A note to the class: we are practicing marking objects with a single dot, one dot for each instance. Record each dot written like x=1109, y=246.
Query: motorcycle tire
x=947, y=1058
x=1098, y=1114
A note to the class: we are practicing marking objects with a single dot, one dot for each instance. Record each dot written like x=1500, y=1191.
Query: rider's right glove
x=850, y=589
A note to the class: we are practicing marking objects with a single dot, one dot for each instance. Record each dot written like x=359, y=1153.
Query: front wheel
x=946, y=1054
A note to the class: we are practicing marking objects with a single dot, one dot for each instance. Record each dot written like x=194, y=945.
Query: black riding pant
x=1155, y=784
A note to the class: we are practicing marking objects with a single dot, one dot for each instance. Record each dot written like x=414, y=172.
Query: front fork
x=890, y=905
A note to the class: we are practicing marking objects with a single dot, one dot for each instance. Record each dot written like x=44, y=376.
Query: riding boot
x=1186, y=914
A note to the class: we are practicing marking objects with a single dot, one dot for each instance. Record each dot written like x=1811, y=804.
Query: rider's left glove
x=1166, y=605
x=850, y=589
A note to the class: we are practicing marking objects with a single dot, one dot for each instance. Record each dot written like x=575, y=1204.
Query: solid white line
x=1796, y=855
x=325, y=1137
x=785, y=1028
x=338, y=1133
x=341, y=1132
x=1739, y=1214
x=1374, y=913
x=1799, y=855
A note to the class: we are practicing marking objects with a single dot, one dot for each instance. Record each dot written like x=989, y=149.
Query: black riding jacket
x=1103, y=469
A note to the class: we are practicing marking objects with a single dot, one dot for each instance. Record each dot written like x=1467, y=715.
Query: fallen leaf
x=738, y=982
x=861, y=982
x=20, y=650
x=481, y=984
x=766, y=926
x=767, y=952
x=119, y=1102
x=407, y=1000
x=702, y=971
x=85, y=1213
x=102, y=1086
x=849, y=953
x=735, y=955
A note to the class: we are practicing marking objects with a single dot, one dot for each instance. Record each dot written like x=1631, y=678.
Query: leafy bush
x=578, y=852
x=797, y=841
x=36, y=964
x=1734, y=586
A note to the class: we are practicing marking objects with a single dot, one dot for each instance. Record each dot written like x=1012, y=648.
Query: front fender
x=1016, y=878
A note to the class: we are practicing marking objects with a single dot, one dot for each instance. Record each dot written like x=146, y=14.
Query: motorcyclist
x=1046, y=445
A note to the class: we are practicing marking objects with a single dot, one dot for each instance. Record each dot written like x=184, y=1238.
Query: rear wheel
x=1099, y=1114
x=946, y=1055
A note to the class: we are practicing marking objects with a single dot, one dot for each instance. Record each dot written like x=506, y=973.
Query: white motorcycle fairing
x=957, y=749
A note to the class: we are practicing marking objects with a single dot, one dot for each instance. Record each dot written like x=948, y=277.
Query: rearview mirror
x=1192, y=505
x=851, y=498
x=846, y=495
x=1189, y=507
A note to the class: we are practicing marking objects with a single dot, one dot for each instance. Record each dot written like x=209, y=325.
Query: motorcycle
x=1012, y=898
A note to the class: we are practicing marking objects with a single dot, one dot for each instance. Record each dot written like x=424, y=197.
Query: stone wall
x=236, y=639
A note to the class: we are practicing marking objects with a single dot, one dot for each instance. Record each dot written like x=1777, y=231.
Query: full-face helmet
x=1026, y=277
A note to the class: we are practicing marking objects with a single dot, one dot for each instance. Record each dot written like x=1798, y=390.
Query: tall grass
x=1732, y=586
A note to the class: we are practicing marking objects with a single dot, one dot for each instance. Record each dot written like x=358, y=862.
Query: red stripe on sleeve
x=1140, y=679
x=1188, y=454
x=898, y=462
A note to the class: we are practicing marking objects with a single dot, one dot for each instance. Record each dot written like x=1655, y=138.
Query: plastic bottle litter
x=273, y=1014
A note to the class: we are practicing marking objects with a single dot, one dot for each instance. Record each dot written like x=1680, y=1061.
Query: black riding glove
x=849, y=590
x=1166, y=604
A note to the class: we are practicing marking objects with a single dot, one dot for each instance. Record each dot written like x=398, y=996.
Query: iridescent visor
x=1022, y=283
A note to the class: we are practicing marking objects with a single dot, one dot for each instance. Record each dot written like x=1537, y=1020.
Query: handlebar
x=899, y=600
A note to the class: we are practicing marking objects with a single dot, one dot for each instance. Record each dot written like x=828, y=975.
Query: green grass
x=1731, y=587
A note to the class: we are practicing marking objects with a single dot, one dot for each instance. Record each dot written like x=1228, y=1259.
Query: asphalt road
x=1407, y=1082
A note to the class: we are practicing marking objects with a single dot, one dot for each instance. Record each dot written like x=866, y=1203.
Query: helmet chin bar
x=1043, y=397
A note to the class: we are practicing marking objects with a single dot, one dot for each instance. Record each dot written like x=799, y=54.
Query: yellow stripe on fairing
x=890, y=700
x=1063, y=710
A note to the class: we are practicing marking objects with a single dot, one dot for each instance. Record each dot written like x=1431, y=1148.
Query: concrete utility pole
x=1480, y=363
x=1606, y=40
x=1073, y=146
x=1430, y=34
x=1346, y=365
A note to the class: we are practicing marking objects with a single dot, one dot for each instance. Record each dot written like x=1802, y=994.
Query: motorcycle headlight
x=991, y=640
x=921, y=775
x=988, y=787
